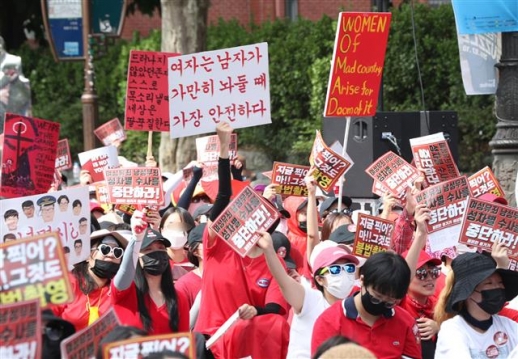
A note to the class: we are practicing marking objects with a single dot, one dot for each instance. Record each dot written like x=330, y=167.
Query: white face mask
x=282, y=226
x=340, y=285
x=177, y=238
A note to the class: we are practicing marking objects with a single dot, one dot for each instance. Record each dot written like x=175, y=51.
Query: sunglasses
x=106, y=250
x=336, y=269
x=423, y=273
x=375, y=300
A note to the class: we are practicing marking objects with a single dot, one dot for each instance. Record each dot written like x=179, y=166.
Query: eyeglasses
x=335, y=269
x=423, y=273
x=54, y=331
x=375, y=300
x=106, y=250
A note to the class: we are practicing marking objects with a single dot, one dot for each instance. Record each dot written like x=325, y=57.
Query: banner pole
x=344, y=151
x=150, y=144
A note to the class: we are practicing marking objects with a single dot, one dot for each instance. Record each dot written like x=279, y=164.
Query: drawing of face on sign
x=46, y=204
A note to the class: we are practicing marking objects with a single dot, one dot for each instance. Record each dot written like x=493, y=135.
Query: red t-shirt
x=189, y=285
x=76, y=312
x=389, y=337
x=126, y=307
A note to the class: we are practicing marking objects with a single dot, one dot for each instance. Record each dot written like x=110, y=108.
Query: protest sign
x=101, y=192
x=97, y=160
x=34, y=268
x=329, y=165
x=63, y=158
x=487, y=222
x=290, y=179
x=239, y=223
x=373, y=235
x=147, y=100
x=229, y=323
x=136, y=185
x=20, y=325
x=111, y=132
x=142, y=346
x=28, y=156
x=66, y=212
x=432, y=155
x=224, y=85
x=84, y=343
x=447, y=203
x=207, y=149
x=357, y=65
x=393, y=173
x=484, y=181
x=485, y=16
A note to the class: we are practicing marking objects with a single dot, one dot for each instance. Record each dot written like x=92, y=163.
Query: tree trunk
x=184, y=30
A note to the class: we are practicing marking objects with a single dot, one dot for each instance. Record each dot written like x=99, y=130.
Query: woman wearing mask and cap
x=91, y=279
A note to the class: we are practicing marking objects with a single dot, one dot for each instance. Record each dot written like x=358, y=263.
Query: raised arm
x=185, y=198
x=422, y=216
x=313, y=237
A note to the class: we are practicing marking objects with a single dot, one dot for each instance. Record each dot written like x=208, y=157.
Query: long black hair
x=167, y=287
x=86, y=282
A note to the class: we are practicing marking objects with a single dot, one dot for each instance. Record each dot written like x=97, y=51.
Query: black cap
x=346, y=202
x=203, y=209
x=277, y=202
x=342, y=235
x=196, y=234
x=280, y=240
x=46, y=200
x=152, y=236
x=67, y=328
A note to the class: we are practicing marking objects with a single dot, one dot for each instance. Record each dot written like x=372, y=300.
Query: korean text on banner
x=147, y=101
x=97, y=160
x=20, y=325
x=329, y=165
x=207, y=149
x=485, y=16
x=136, y=185
x=357, y=66
x=432, y=155
x=111, y=132
x=29, y=155
x=373, y=235
x=487, y=222
x=239, y=223
x=224, y=85
x=289, y=179
x=485, y=181
x=143, y=346
x=34, y=268
x=63, y=158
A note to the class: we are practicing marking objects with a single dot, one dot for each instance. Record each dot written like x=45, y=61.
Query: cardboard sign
x=66, y=212
x=83, y=344
x=290, y=179
x=143, y=346
x=207, y=149
x=432, y=155
x=484, y=222
x=101, y=192
x=484, y=181
x=97, y=160
x=230, y=85
x=330, y=166
x=147, y=100
x=392, y=173
x=20, y=325
x=63, y=158
x=136, y=185
x=28, y=156
x=373, y=235
x=357, y=66
x=111, y=132
x=242, y=218
x=34, y=268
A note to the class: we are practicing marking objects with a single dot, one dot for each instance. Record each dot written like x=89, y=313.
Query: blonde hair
x=440, y=314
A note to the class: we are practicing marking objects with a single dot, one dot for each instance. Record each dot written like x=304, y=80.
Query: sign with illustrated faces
x=373, y=235
x=20, y=325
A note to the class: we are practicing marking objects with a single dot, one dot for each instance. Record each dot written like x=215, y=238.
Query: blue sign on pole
x=65, y=19
x=485, y=16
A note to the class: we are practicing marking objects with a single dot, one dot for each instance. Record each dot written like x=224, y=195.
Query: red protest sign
x=329, y=165
x=357, y=66
x=97, y=160
x=147, y=101
x=111, y=132
x=28, y=156
x=136, y=185
x=84, y=343
x=290, y=179
x=373, y=235
x=484, y=181
x=207, y=149
x=34, y=268
x=239, y=223
x=101, y=192
x=486, y=222
x=432, y=155
x=20, y=325
x=446, y=201
x=143, y=346
x=393, y=173
x=63, y=159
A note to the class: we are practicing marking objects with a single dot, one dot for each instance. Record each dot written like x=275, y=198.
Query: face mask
x=282, y=227
x=155, y=263
x=303, y=226
x=105, y=269
x=339, y=286
x=493, y=300
x=177, y=238
x=374, y=309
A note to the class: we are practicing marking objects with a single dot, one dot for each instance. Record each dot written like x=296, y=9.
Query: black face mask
x=493, y=300
x=303, y=226
x=374, y=309
x=155, y=263
x=105, y=269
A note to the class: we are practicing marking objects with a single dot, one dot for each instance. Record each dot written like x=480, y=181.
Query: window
x=292, y=9
x=439, y=2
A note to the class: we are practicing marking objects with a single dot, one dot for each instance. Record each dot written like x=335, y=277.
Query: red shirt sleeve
x=183, y=313
x=412, y=347
x=509, y=313
x=326, y=326
x=403, y=233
